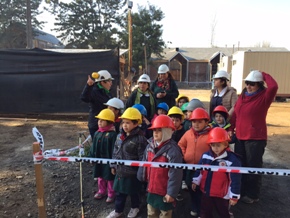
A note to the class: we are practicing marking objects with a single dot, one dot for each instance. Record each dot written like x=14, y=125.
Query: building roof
x=46, y=37
x=192, y=54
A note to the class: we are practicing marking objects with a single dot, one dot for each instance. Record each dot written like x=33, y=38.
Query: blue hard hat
x=163, y=106
x=141, y=109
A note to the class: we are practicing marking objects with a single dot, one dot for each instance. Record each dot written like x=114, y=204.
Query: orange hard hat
x=199, y=114
x=162, y=121
x=218, y=134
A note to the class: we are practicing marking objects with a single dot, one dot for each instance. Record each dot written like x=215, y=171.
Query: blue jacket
x=219, y=184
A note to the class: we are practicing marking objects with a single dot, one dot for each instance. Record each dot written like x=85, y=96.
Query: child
x=193, y=144
x=219, y=189
x=145, y=122
x=116, y=105
x=130, y=145
x=163, y=183
x=220, y=116
x=177, y=117
x=181, y=99
x=192, y=105
x=162, y=108
x=103, y=144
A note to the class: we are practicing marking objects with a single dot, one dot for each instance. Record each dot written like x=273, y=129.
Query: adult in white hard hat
x=143, y=95
x=222, y=93
x=116, y=105
x=96, y=92
x=164, y=87
x=249, y=123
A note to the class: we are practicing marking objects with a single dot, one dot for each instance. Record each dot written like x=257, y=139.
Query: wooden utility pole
x=130, y=5
x=28, y=25
x=145, y=54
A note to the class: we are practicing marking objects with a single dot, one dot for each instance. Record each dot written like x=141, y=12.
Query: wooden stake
x=39, y=183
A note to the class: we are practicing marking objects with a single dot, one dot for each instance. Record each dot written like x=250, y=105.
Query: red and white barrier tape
x=244, y=170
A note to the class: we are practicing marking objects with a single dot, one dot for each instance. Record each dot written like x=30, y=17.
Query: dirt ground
x=62, y=180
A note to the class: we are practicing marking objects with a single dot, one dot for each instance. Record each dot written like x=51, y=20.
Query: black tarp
x=42, y=81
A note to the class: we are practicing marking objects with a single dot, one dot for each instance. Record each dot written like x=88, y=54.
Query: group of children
x=184, y=133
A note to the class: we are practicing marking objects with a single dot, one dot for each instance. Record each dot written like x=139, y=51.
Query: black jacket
x=96, y=97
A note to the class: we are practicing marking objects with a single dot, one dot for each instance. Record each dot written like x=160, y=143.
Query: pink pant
x=103, y=185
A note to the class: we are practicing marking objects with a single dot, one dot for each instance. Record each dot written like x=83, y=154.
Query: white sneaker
x=114, y=214
x=133, y=212
x=183, y=185
x=193, y=213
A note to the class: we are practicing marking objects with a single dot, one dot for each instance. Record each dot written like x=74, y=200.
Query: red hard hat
x=162, y=121
x=218, y=134
x=221, y=108
x=199, y=114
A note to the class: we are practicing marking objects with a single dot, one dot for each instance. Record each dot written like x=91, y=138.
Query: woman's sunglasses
x=249, y=83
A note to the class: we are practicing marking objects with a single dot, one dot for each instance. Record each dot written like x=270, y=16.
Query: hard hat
x=222, y=109
x=199, y=114
x=183, y=107
x=218, y=134
x=106, y=114
x=182, y=96
x=132, y=114
x=255, y=76
x=116, y=103
x=163, y=68
x=141, y=109
x=175, y=110
x=102, y=75
x=163, y=106
x=221, y=74
x=162, y=121
x=144, y=78
x=193, y=104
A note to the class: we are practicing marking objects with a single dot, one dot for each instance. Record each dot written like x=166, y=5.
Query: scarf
x=101, y=87
x=108, y=128
x=139, y=94
x=163, y=84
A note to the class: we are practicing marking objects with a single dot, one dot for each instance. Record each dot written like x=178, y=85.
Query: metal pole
x=28, y=25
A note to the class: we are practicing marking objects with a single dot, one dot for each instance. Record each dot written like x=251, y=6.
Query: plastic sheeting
x=42, y=81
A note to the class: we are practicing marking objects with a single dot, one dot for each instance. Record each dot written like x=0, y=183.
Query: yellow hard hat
x=132, y=114
x=182, y=96
x=106, y=114
x=175, y=110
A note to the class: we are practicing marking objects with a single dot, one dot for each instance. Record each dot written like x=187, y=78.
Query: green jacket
x=103, y=145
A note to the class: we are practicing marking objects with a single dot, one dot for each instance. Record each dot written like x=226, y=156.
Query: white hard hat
x=144, y=78
x=102, y=75
x=163, y=68
x=116, y=103
x=221, y=74
x=254, y=76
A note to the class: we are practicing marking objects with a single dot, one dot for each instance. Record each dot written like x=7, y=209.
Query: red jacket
x=249, y=117
x=162, y=181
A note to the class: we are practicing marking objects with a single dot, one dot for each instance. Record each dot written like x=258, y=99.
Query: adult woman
x=249, y=121
x=144, y=96
x=96, y=93
x=164, y=87
x=222, y=94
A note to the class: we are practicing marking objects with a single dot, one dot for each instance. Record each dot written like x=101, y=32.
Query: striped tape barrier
x=244, y=170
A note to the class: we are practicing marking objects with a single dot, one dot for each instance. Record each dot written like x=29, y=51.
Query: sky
x=243, y=23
